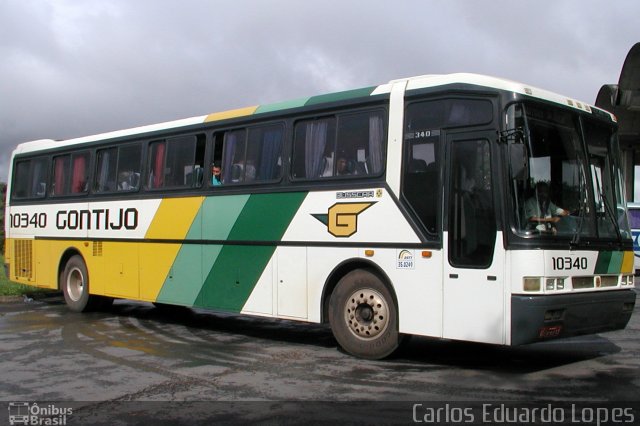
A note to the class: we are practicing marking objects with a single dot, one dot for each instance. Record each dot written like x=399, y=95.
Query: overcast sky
x=72, y=68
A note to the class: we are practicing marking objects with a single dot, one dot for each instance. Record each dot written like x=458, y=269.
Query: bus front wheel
x=75, y=285
x=363, y=316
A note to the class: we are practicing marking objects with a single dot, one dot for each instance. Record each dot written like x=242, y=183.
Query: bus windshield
x=564, y=177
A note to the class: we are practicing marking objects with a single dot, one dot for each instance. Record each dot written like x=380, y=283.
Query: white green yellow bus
x=400, y=209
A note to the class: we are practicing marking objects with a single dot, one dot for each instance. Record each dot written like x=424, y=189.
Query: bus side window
x=264, y=153
x=249, y=155
x=216, y=160
x=155, y=178
x=80, y=173
x=70, y=174
x=351, y=145
x=105, y=180
x=30, y=178
x=118, y=168
x=420, y=182
x=359, y=147
x=313, y=149
x=129, y=165
x=176, y=162
x=233, y=161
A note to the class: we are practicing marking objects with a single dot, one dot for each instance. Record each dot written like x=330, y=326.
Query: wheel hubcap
x=75, y=284
x=366, y=313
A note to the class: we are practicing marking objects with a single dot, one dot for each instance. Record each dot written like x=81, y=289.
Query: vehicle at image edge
x=633, y=210
x=454, y=206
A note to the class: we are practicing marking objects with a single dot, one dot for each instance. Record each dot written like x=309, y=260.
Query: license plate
x=551, y=331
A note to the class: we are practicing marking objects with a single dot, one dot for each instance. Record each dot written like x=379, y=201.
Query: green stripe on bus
x=185, y=277
x=602, y=264
x=281, y=105
x=236, y=270
x=214, y=221
x=341, y=96
x=615, y=264
x=609, y=262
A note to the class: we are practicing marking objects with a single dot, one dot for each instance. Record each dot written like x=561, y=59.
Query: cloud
x=75, y=68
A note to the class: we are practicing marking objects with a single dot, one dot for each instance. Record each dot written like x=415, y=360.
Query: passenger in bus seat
x=250, y=171
x=343, y=167
x=327, y=168
x=128, y=180
x=237, y=172
x=123, y=181
x=216, y=174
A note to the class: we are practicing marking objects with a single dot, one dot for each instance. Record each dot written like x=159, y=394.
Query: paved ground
x=108, y=362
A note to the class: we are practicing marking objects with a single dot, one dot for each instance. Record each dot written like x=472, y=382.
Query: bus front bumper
x=539, y=318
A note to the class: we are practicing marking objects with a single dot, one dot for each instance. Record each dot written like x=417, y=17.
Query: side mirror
x=518, y=161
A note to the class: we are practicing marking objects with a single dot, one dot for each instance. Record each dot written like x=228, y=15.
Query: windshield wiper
x=607, y=208
x=612, y=217
x=582, y=208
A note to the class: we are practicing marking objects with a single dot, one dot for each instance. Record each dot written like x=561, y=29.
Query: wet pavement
x=139, y=358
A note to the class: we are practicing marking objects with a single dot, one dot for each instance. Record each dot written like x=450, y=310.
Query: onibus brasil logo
x=26, y=413
x=342, y=218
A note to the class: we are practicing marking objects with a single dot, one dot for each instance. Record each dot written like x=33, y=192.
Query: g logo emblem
x=342, y=218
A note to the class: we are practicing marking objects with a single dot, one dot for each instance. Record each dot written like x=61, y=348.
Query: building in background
x=623, y=99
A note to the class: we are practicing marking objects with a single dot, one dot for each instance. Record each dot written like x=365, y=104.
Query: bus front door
x=473, y=293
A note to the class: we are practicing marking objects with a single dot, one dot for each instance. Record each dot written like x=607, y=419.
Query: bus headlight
x=551, y=284
x=531, y=284
x=548, y=284
x=627, y=280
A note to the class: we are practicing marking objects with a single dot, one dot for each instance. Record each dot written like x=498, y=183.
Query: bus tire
x=74, y=283
x=363, y=316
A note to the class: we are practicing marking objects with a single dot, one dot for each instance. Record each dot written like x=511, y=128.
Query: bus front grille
x=582, y=282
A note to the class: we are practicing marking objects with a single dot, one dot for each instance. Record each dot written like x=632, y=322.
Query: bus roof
x=411, y=83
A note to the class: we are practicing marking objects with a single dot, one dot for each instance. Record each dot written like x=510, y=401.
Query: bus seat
x=417, y=165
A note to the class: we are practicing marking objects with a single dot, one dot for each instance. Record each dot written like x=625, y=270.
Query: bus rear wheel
x=74, y=283
x=363, y=316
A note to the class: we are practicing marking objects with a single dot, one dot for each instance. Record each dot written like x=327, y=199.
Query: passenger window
x=349, y=145
x=30, y=178
x=70, y=174
x=264, y=150
x=420, y=180
x=313, y=149
x=129, y=165
x=176, y=162
x=118, y=169
x=360, y=144
x=233, y=165
x=250, y=155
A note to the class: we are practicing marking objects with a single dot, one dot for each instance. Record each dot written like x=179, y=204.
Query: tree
x=3, y=196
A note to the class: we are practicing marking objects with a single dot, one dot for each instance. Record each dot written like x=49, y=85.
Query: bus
x=633, y=210
x=406, y=208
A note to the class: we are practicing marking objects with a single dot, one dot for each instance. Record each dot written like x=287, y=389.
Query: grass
x=10, y=288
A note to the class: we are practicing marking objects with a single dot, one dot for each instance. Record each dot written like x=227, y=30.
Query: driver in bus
x=540, y=211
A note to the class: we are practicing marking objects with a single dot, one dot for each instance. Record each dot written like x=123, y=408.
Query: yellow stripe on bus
x=233, y=113
x=627, y=262
x=174, y=218
x=171, y=222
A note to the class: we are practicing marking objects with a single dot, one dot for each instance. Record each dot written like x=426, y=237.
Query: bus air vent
x=97, y=248
x=23, y=251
